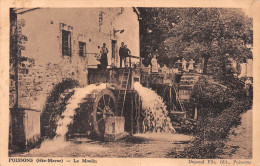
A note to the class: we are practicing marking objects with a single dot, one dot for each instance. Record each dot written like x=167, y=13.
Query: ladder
x=122, y=91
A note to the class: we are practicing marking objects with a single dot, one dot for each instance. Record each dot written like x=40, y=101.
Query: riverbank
x=239, y=142
x=212, y=133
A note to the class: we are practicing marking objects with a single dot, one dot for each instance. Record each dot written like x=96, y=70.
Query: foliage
x=208, y=33
x=210, y=98
x=212, y=131
x=225, y=107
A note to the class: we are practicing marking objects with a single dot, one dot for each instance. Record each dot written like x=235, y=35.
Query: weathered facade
x=50, y=45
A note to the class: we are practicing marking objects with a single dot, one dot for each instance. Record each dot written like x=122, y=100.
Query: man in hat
x=122, y=54
x=127, y=53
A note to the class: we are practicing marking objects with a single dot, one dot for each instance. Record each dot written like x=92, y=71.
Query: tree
x=154, y=30
x=198, y=33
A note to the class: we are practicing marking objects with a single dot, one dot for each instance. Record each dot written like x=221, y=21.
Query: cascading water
x=73, y=103
x=58, y=142
x=155, y=113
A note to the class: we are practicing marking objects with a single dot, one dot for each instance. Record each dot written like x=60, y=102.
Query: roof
x=23, y=10
x=137, y=11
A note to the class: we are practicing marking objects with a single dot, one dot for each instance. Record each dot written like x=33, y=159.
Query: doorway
x=114, y=52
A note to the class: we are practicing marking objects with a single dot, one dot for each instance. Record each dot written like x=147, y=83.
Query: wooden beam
x=132, y=115
x=137, y=109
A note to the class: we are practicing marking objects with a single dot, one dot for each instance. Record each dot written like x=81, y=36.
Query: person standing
x=184, y=64
x=178, y=63
x=122, y=54
x=103, y=59
x=191, y=65
x=248, y=87
x=154, y=65
x=128, y=52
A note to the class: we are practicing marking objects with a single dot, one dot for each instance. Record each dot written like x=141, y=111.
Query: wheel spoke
x=99, y=120
x=104, y=100
x=112, y=108
x=100, y=109
x=109, y=100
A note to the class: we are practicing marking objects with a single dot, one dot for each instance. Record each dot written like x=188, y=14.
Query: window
x=113, y=48
x=121, y=10
x=82, y=49
x=66, y=43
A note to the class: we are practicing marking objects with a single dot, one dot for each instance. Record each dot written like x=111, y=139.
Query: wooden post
x=132, y=115
x=170, y=98
x=136, y=113
x=177, y=91
x=195, y=113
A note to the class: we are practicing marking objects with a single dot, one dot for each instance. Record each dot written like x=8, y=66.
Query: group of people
x=124, y=52
x=183, y=65
x=180, y=65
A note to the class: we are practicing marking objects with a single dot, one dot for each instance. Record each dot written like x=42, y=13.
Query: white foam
x=156, y=116
x=73, y=103
x=53, y=145
x=59, y=142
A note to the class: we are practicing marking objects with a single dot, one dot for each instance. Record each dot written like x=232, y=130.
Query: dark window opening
x=82, y=49
x=66, y=43
x=113, y=48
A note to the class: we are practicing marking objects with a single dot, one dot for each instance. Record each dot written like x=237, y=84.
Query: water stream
x=59, y=141
x=154, y=109
x=73, y=103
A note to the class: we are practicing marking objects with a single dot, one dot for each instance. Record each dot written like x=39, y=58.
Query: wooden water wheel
x=89, y=119
x=104, y=106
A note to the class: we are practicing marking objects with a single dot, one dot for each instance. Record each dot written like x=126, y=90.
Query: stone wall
x=35, y=82
x=41, y=64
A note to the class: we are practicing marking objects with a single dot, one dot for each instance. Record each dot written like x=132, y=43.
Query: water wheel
x=89, y=117
x=104, y=106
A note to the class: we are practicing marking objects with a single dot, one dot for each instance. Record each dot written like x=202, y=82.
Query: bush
x=226, y=106
x=211, y=98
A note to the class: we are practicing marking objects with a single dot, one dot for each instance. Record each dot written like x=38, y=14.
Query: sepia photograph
x=96, y=82
x=131, y=82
